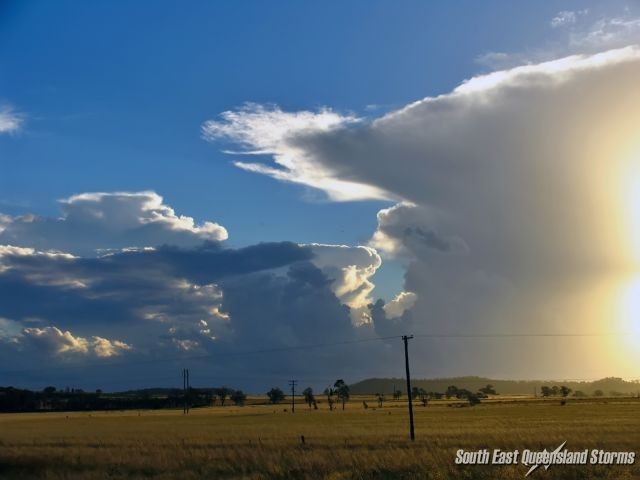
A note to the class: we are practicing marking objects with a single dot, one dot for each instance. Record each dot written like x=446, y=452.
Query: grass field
x=263, y=442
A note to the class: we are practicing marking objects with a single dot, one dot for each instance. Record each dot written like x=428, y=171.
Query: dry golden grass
x=263, y=442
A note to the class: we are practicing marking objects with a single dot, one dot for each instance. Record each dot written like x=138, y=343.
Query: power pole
x=185, y=388
x=188, y=392
x=406, y=339
x=293, y=384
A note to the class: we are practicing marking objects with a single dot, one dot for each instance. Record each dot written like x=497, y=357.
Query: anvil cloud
x=510, y=188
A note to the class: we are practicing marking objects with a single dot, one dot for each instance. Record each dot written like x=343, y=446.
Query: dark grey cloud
x=170, y=302
x=121, y=287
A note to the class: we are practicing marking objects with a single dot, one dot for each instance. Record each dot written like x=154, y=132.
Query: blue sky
x=116, y=93
x=112, y=97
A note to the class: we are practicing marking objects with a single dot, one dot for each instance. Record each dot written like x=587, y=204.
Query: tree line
x=609, y=386
x=564, y=391
x=339, y=392
x=337, y=395
x=452, y=391
x=75, y=399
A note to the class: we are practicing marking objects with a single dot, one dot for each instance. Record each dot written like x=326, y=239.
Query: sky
x=223, y=185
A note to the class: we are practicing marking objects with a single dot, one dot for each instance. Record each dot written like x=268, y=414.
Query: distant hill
x=609, y=386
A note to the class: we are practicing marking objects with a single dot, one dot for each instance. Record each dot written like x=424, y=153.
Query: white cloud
x=267, y=130
x=26, y=251
x=36, y=275
x=9, y=329
x=94, y=222
x=566, y=17
x=575, y=32
x=52, y=340
x=104, y=347
x=10, y=120
x=501, y=60
x=185, y=344
x=351, y=269
x=308, y=148
x=608, y=32
x=13, y=252
x=402, y=302
x=409, y=230
x=493, y=145
x=4, y=221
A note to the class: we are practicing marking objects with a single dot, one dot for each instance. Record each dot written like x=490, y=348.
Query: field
x=264, y=442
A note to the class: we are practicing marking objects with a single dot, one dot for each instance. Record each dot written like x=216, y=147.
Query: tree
x=473, y=399
x=415, y=391
x=329, y=393
x=397, y=394
x=464, y=393
x=342, y=391
x=424, y=396
x=488, y=390
x=555, y=390
x=598, y=393
x=452, y=391
x=545, y=391
x=238, y=397
x=380, y=398
x=275, y=395
x=308, y=396
x=49, y=390
x=565, y=391
x=222, y=393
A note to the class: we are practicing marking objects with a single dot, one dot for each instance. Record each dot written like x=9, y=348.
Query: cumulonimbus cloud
x=513, y=189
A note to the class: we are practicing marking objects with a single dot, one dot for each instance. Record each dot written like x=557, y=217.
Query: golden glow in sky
x=629, y=293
